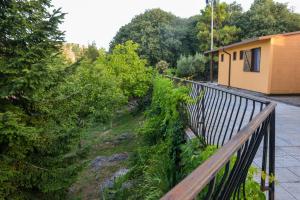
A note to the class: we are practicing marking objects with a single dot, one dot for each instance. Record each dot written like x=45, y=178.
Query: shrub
x=185, y=67
x=171, y=72
x=194, y=154
x=130, y=70
x=162, y=66
x=155, y=164
x=191, y=66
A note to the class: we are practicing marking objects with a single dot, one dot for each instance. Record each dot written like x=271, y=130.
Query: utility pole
x=212, y=26
x=211, y=40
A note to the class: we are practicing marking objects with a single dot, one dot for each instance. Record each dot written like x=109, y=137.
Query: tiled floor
x=287, y=159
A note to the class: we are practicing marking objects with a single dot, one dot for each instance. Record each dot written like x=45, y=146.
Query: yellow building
x=268, y=64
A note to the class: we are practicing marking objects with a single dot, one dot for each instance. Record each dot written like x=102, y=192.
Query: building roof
x=251, y=40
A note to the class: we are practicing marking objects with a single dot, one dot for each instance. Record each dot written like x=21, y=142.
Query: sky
x=99, y=20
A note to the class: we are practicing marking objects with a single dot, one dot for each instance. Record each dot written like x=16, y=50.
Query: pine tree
x=32, y=141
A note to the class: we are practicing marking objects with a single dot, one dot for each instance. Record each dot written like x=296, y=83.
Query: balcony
x=240, y=125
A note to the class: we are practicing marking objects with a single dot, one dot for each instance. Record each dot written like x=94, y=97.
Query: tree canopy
x=29, y=46
x=128, y=68
x=163, y=36
x=225, y=32
x=160, y=35
x=267, y=17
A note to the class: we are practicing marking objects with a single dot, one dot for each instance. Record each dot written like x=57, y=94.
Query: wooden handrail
x=188, y=188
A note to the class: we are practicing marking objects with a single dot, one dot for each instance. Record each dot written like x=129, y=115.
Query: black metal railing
x=240, y=125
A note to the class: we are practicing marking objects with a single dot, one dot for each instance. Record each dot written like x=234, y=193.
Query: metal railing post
x=264, y=159
x=203, y=111
x=272, y=157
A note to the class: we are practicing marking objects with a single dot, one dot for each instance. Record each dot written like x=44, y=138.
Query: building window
x=234, y=55
x=222, y=57
x=252, y=60
x=241, y=55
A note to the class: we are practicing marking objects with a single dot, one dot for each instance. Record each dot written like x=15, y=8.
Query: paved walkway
x=287, y=159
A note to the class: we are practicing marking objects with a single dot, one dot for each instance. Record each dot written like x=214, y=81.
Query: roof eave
x=237, y=44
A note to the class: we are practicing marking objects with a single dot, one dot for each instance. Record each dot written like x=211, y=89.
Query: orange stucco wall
x=255, y=81
x=285, y=73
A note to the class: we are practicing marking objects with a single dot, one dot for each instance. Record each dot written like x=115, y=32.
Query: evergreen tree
x=32, y=140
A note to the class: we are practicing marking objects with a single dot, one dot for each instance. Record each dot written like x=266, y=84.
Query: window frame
x=253, y=59
x=250, y=62
x=234, y=55
x=241, y=54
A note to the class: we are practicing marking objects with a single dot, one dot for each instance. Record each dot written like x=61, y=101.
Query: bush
x=191, y=66
x=171, y=72
x=155, y=165
x=194, y=153
x=130, y=70
x=162, y=66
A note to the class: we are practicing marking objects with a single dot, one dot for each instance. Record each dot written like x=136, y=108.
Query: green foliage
x=224, y=31
x=194, y=153
x=267, y=17
x=130, y=70
x=163, y=115
x=31, y=152
x=155, y=165
x=185, y=67
x=191, y=66
x=253, y=190
x=45, y=103
x=163, y=36
x=171, y=72
x=92, y=92
x=162, y=66
x=101, y=139
x=163, y=160
x=160, y=35
x=191, y=42
x=29, y=40
x=158, y=175
x=231, y=24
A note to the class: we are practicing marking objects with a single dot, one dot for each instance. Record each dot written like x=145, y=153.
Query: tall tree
x=32, y=140
x=160, y=35
x=225, y=31
x=191, y=42
x=130, y=70
x=267, y=17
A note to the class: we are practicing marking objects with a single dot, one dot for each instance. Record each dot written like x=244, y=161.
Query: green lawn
x=104, y=140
